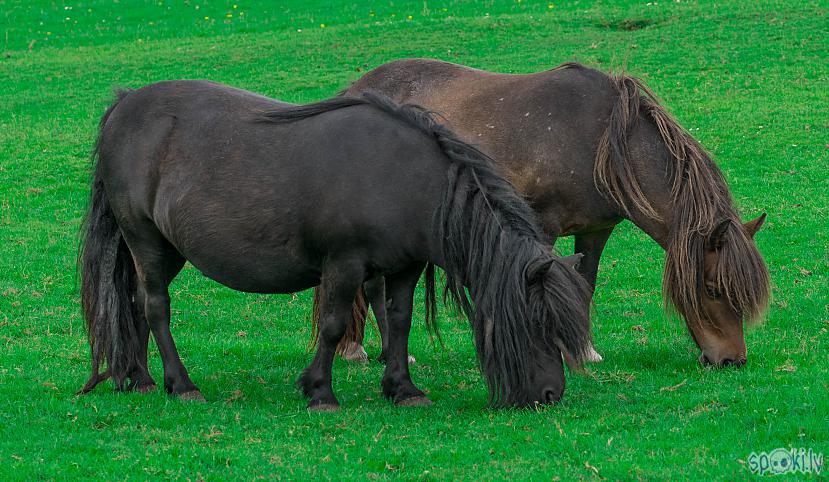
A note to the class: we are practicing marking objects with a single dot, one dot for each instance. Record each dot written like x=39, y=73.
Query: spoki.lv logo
x=786, y=461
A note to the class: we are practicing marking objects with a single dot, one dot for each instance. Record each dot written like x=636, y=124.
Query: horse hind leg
x=140, y=379
x=340, y=283
x=157, y=262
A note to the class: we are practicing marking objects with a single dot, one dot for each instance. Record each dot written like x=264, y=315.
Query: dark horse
x=587, y=150
x=267, y=197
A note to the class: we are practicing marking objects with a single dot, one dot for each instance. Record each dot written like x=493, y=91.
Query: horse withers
x=268, y=197
x=587, y=150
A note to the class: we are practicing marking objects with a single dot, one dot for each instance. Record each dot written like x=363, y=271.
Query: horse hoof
x=354, y=352
x=323, y=407
x=192, y=395
x=146, y=388
x=419, y=401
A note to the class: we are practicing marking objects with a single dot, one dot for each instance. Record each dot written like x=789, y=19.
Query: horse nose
x=551, y=395
x=728, y=362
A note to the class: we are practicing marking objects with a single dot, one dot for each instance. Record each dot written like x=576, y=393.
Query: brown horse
x=588, y=150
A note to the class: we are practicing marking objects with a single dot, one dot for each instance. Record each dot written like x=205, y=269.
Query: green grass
x=750, y=79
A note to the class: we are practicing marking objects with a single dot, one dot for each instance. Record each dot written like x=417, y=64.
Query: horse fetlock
x=179, y=386
x=400, y=390
x=313, y=384
x=143, y=383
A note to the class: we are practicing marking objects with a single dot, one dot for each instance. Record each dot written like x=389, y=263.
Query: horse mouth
x=727, y=362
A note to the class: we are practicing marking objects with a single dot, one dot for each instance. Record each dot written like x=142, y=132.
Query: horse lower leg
x=591, y=246
x=376, y=296
x=397, y=382
x=338, y=291
x=140, y=378
x=176, y=380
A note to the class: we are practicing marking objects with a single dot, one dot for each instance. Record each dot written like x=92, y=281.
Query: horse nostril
x=704, y=360
x=550, y=395
x=739, y=362
x=728, y=362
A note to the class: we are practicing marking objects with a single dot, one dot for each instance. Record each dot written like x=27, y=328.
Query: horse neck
x=654, y=169
x=654, y=174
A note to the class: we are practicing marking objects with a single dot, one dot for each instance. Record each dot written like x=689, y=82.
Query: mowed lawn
x=749, y=79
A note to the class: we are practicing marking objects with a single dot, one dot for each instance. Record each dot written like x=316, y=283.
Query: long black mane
x=520, y=298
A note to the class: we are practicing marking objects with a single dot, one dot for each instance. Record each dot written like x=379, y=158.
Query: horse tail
x=108, y=284
x=356, y=325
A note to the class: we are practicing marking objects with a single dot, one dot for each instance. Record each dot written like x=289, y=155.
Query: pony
x=268, y=197
x=588, y=150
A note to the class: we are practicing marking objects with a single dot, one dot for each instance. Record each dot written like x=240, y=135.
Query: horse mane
x=520, y=298
x=700, y=203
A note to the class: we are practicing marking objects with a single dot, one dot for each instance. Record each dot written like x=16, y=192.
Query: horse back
x=236, y=195
x=542, y=129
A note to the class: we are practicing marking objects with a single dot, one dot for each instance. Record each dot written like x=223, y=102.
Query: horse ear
x=537, y=273
x=572, y=261
x=717, y=237
x=754, y=225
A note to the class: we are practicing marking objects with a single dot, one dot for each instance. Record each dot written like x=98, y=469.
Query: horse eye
x=712, y=292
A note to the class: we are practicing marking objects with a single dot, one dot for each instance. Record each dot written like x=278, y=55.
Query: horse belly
x=257, y=255
x=272, y=272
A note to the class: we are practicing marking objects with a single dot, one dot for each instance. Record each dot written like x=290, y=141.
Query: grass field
x=749, y=79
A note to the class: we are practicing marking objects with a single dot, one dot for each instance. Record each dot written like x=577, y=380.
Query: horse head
x=726, y=296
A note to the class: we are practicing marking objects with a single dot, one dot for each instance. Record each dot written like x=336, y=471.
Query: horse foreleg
x=591, y=246
x=397, y=382
x=340, y=283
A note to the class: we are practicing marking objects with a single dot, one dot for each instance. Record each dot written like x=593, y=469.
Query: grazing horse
x=587, y=150
x=268, y=197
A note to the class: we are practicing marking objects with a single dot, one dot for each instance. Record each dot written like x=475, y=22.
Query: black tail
x=108, y=285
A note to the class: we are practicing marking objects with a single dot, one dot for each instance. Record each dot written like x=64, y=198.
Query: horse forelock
x=740, y=273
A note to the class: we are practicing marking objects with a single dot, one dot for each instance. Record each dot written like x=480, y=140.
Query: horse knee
x=332, y=329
